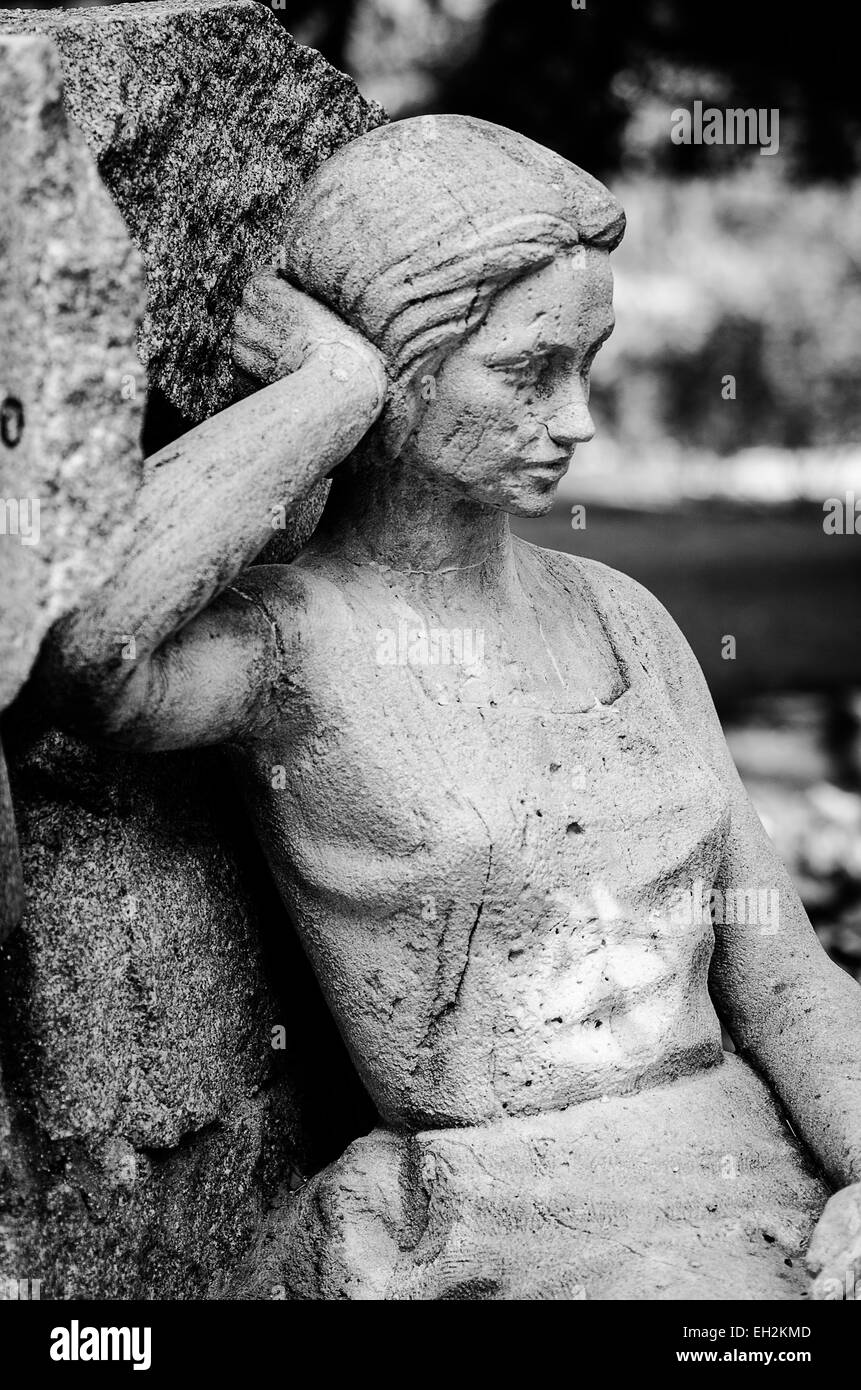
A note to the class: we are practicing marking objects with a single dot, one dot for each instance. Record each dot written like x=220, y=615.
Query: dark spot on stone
x=574, y=828
x=11, y=421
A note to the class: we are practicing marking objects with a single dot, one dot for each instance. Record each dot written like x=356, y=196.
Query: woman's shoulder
x=636, y=620
x=289, y=592
x=619, y=597
x=644, y=632
x=316, y=611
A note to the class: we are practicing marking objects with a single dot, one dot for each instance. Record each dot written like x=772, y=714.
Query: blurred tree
x=573, y=78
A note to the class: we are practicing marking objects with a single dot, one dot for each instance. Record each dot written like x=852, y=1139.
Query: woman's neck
x=388, y=514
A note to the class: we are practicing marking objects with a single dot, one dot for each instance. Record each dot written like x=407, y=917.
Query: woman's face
x=507, y=408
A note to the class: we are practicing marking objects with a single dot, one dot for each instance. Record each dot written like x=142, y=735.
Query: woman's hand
x=278, y=329
x=834, y=1256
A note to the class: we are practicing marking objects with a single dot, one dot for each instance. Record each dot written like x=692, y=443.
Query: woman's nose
x=572, y=423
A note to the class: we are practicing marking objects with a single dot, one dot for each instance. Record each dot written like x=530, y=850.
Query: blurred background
x=727, y=403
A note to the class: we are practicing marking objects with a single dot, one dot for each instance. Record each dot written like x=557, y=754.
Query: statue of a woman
x=485, y=775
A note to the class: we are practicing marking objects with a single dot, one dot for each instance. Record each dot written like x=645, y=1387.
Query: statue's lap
x=694, y=1189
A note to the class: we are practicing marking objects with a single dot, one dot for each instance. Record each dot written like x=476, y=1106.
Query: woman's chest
x=613, y=799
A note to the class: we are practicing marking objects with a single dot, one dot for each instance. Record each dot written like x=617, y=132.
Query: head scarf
x=408, y=231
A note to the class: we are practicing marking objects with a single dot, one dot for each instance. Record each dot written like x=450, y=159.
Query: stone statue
x=485, y=775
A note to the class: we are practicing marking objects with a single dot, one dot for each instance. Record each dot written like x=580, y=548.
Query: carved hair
x=410, y=230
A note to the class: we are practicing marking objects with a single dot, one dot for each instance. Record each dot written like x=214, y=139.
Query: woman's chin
x=533, y=503
x=522, y=493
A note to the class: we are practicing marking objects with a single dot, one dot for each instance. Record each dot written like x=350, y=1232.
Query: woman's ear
x=399, y=419
x=410, y=396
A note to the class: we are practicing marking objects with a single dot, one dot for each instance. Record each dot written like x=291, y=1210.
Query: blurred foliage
x=743, y=275
x=800, y=759
x=598, y=84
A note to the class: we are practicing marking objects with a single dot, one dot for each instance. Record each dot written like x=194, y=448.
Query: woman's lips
x=554, y=465
x=558, y=460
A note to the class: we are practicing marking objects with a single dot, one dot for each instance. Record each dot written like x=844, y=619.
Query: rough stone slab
x=149, y=1112
x=71, y=287
x=145, y=1005
x=205, y=118
x=146, y=1120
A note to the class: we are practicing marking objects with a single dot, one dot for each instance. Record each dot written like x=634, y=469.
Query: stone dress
x=674, y=1174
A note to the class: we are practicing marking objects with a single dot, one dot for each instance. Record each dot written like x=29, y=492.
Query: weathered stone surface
x=135, y=1032
x=71, y=286
x=139, y=950
x=146, y=1117
x=834, y=1255
x=151, y=1117
x=72, y=290
x=688, y=1190
x=205, y=118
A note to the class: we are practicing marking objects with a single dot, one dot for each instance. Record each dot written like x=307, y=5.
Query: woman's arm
x=789, y=1008
x=138, y=665
x=793, y=1012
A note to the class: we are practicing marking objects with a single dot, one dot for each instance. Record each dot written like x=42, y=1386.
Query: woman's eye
x=525, y=368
